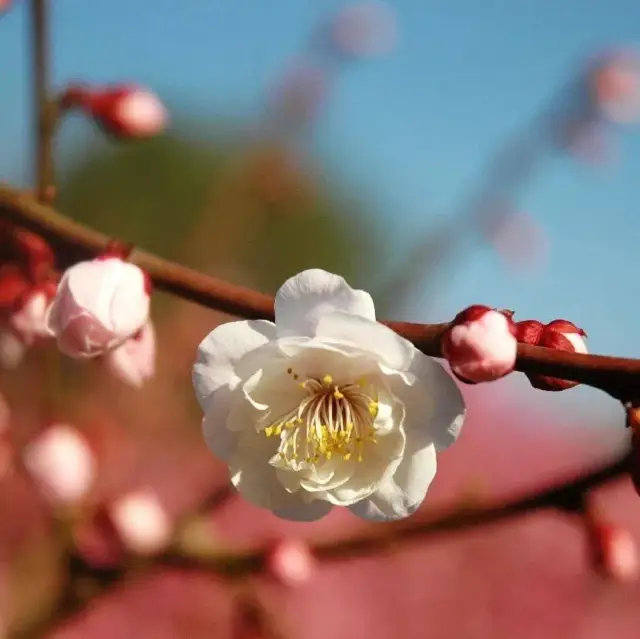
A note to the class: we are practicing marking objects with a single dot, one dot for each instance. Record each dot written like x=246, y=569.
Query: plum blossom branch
x=620, y=377
x=567, y=496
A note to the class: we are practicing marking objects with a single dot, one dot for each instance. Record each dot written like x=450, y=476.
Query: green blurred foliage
x=250, y=210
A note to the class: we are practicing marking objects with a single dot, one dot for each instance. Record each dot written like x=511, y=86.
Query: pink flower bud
x=99, y=305
x=124, y=111
x=290, y=562
x=559, y=334
x=480, y=345
x=615, y=86
x=141, y=522
x=28, y=321
x=613, y=551
x=62, y=463
x=134, y=361
x=364, y=29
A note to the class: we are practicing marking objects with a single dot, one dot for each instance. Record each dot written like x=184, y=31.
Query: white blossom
x=326, y=406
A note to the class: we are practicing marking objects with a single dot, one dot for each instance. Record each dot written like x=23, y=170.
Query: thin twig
x=618, y=376
x=43, y=106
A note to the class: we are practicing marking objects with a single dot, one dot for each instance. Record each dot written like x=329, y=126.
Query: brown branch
x=44, y=107
x=620, y=377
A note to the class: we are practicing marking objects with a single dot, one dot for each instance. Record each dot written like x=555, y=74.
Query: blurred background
x=436, y=154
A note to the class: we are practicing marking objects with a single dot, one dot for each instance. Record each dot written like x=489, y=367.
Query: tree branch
x=620, y=377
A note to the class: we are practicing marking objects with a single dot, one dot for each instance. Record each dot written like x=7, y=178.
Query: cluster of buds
x=558, y=334
x=28, y=283
x=122, y=111
x=481, y=345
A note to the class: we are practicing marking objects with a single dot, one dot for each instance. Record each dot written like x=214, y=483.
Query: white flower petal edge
x=304, y=298
x=221, y=350
x=330, y=408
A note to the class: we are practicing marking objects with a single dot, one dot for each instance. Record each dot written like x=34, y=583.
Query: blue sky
x=413, y=129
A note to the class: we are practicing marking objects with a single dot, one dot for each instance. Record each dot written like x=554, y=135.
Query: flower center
x=330, y=420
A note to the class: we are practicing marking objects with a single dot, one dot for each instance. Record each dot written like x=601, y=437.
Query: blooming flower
x=28, y=321
x=134, y=361
x=326, y=406
x=99, y=305
x=480, y=345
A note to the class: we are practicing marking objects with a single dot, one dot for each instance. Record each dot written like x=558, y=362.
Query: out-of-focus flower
x=141, y=522
x=134, y=361
x=613, y=550
x=615, y=86
x=28, y=320
x=516, y=237
x=364, y=29
x=290, y=562
x=300, y=93
x=124, y=111
x=480, y=345
x=12, y=350
x=326, y=406
x=62, y=463
x=559, y=334
x=99, y=305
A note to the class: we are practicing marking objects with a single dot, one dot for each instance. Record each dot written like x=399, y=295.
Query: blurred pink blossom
x=99, y=305
x=614, y=551
x=480, y=346
x=290, y=562
x=62, y=463
x=12, y=349
x=363, y=29
x=615, y=86
x=141, y=521
x=134, y=361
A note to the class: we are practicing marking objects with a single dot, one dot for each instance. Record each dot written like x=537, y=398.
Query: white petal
x=305, y=512
x=220, y=439
x=444, y=421
x=304, y=298
x=380, y=460
x=256, y=480
x=395, y=351
x=402, y=494
x=220, y=352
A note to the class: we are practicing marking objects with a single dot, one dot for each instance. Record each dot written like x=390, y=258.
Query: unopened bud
x=480, y=345
x=290, y=562
x=124, y=111
x=558, y=334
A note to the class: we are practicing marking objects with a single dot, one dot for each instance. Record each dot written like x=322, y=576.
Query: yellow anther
x=327, y=379
x=373, y=409
x=337, y=394
x=278, y=429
